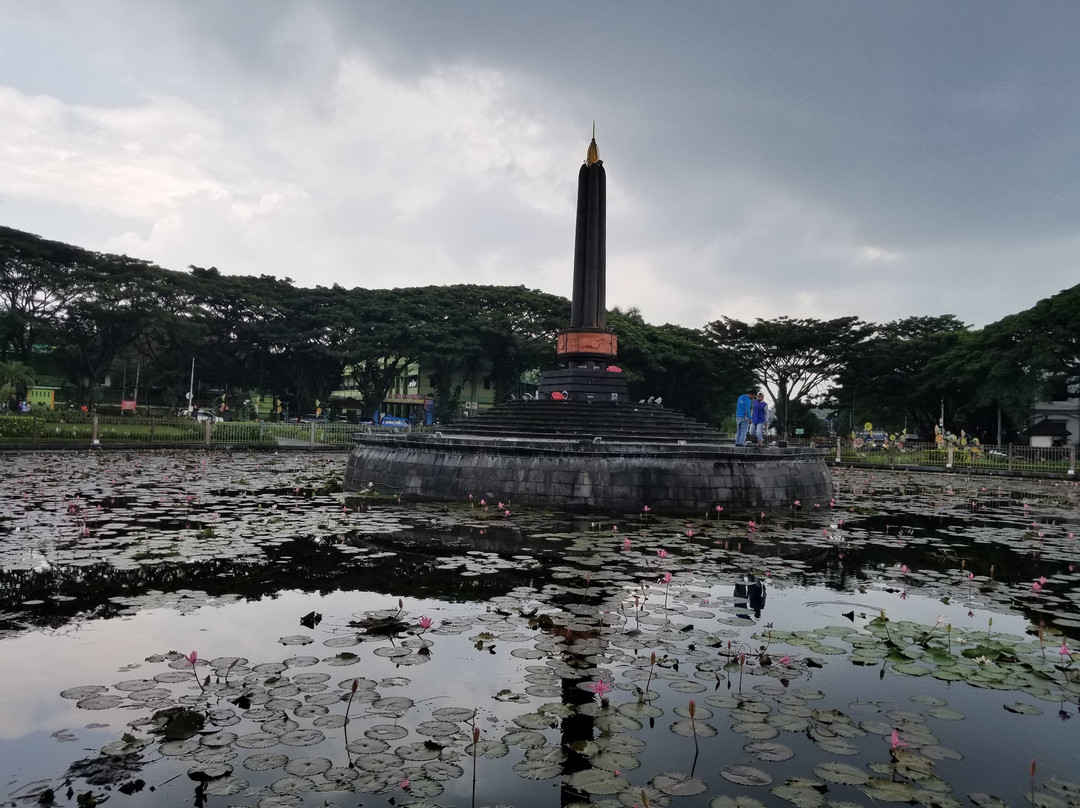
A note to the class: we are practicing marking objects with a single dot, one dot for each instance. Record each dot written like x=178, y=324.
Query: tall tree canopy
x=792, y=358
x=886, y=380
x=681, y=365
x=68, y=314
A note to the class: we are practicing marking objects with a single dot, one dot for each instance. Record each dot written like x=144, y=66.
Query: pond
x=185, y=628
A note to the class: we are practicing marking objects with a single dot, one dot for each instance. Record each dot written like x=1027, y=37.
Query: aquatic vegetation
x=557, y=659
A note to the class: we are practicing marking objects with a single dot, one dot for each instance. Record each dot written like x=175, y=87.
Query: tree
x=517, y=330
x=15, y=378
x=886, y=381
x=1010, y=364
x=791, y=358
x=681, y=365
x=39, y=279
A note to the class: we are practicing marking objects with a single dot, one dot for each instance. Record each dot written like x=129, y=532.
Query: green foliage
x=792, y=358
x=81, y=316
x=688, y=371
x=887, y=383
x=1016, y=361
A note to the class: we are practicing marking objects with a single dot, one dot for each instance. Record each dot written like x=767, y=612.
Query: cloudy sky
x=809, y=159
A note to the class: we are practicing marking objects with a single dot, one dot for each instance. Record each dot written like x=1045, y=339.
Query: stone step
x=629, y=421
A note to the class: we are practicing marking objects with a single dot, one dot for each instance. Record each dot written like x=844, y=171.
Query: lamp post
x=191, y=390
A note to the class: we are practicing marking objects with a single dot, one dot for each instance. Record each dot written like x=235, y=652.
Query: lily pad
x=743, y=775
x=677, y=784
x=769, y=751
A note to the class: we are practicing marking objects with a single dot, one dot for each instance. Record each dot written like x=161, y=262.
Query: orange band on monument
x=586, y=342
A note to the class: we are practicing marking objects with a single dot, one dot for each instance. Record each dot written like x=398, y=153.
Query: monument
x=580, y=444
x=586, y=351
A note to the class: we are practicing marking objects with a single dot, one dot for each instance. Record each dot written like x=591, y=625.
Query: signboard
x=127, y=405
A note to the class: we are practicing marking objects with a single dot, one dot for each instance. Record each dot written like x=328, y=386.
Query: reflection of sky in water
x=37, y=666
x=808, y=590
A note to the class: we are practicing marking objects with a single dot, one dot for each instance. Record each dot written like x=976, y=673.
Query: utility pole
x=191, y=390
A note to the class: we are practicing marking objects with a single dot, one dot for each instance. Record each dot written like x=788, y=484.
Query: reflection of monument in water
x=581, y=444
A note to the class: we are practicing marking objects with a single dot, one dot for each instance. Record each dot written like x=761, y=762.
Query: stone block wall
x=671, y=479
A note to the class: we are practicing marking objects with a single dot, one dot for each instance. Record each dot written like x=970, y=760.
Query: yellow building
x=39, y=397
x=412, y=395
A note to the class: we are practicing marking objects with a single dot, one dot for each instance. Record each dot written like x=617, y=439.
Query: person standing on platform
x=759, y=417
x=743, y=411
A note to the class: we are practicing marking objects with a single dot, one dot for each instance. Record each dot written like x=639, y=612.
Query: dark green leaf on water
x=178, y=723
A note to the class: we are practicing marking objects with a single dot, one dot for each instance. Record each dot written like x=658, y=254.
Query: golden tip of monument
x=593, y=155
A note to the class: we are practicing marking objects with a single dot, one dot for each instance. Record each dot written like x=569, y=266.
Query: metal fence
x=85, y=429
x=75, y=429
x=1002, y=459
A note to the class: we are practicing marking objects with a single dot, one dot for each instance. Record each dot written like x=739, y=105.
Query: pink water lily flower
x=896, y=743
x=785, y=660
x=600, y=688
x=646, y=508
x=192, y=658
x=667, y=578
x=904, y=568
x=626, y=544
x=426, y=623
x=662, y=553
x=1036, y=587
x=1064, y=650
x=404, y=783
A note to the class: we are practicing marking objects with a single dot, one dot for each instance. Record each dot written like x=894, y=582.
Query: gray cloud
x=822, y=159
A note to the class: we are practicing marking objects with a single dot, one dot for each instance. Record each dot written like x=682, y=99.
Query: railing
x=85, y=429
x=1008, y=458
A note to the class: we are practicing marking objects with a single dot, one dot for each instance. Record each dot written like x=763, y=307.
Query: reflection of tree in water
x=314, y=566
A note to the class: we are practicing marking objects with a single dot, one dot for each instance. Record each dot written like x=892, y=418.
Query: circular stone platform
x=602, y=467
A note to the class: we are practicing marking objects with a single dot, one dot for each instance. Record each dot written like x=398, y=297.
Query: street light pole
x=191, y=390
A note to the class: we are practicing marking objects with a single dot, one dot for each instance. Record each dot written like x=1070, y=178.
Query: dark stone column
x=589, y=304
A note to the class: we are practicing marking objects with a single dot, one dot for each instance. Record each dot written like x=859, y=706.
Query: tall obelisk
x=590, y=264
x=587, y=348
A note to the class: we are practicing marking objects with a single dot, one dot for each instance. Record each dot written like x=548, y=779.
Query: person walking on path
x=743, y=411
x=759, y=417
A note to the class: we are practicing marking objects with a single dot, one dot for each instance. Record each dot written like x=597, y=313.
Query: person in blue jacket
x=743, y=411
x=759, y=417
